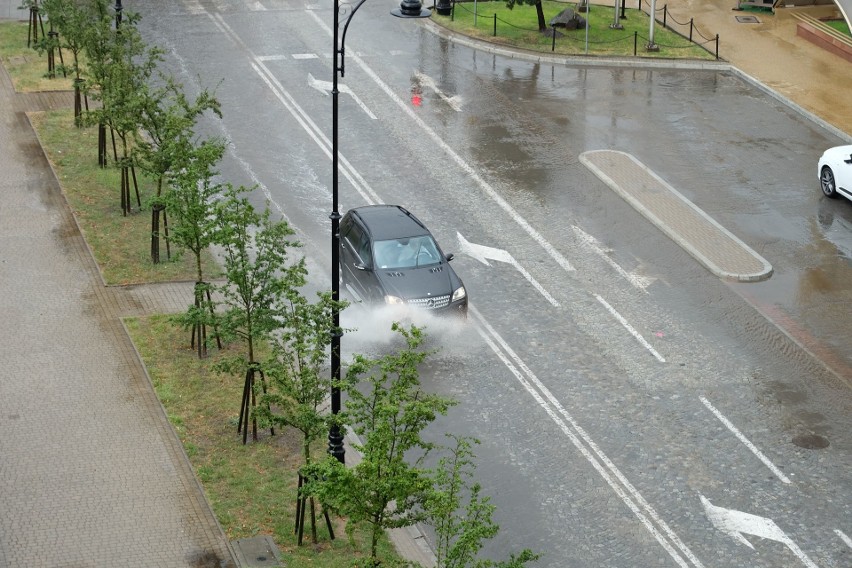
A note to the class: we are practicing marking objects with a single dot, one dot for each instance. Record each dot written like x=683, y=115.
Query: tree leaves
x=389, y=418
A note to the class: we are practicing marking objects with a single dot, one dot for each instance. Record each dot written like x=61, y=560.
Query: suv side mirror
x=450, y=257
x=360, y=266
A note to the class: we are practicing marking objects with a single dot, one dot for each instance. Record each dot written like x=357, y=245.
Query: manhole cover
x=811, y=441
x=747, y=19
x=256, y=552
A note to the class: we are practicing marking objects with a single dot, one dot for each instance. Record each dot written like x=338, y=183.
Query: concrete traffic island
x=716, y=248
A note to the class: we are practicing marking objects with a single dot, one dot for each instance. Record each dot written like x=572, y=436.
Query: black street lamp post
x=117, y=14
x=407, y=9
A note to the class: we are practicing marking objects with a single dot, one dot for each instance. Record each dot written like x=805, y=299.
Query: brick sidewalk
x=91, y=472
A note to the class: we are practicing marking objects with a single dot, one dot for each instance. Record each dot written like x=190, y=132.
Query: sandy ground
x=771, y=52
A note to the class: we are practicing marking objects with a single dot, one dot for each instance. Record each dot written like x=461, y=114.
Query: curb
x=178, y=444
x=638, y=62
x=578, y=60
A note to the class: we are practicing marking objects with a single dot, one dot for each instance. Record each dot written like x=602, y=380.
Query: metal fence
x=686, y=30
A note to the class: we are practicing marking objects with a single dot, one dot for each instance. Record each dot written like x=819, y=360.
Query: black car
x=387, y=256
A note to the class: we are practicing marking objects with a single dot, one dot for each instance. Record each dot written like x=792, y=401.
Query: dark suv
x=387, y=256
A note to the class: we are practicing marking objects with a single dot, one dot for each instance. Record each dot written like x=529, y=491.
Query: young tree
x=539, y=10
x=72, y=23
x=258, y=272
x=100, y=47
x=387, y=488
x=50, y=44
x=298, y=375
x=124, y=96
x=195, y=225
x=97, y=36
x=35, y=21
x=166, y=142
x=461, y=528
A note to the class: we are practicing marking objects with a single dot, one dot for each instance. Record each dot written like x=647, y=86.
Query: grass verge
x=519, y=28
x=839, y=25
x=121, y=245
x=26, y=66
x=252, y=487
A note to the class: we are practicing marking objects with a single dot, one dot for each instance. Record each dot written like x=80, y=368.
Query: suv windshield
x=406, y=253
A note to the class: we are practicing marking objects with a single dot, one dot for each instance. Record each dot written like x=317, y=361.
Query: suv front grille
x=435, y=303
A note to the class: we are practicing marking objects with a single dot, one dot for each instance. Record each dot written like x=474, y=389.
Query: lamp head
x=411, y=9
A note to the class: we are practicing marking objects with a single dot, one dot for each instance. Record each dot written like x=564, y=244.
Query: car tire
x=827, y=182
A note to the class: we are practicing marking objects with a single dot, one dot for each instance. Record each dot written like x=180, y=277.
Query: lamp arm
x=341, y=49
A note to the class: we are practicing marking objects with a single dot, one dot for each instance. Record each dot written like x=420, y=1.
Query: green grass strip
x=252, y=487
x=121, y=244
x=519, y=28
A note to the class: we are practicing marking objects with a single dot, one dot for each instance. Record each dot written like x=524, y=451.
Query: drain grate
x=747, y=19
x=256, y=552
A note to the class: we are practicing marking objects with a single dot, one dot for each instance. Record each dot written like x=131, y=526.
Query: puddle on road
x=805, y=424
x=811, y=441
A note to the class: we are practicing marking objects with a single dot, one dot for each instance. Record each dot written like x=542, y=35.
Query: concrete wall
x=10, y=10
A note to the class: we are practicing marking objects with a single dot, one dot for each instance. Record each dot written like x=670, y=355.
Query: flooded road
x=744, y=158
x=632, y=406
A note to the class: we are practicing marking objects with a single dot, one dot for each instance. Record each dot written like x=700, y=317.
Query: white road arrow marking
x=737, y=523
x=483, y=253
x=325, y=88
x=428, y=82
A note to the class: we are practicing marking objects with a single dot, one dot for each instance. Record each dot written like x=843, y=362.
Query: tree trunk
x=156, y=209
x=374, y=545
x=539, y=10
x=197, y=252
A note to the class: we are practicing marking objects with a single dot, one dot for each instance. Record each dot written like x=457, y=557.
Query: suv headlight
x=394, y=301
x=459, y=293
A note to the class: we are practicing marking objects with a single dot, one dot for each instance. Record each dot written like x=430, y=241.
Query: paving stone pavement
x=91, y=472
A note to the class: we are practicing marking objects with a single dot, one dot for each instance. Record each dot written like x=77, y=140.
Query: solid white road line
x=295, y=110
x=586, y=446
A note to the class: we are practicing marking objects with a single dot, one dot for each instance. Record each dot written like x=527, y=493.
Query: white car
x=835, y=172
